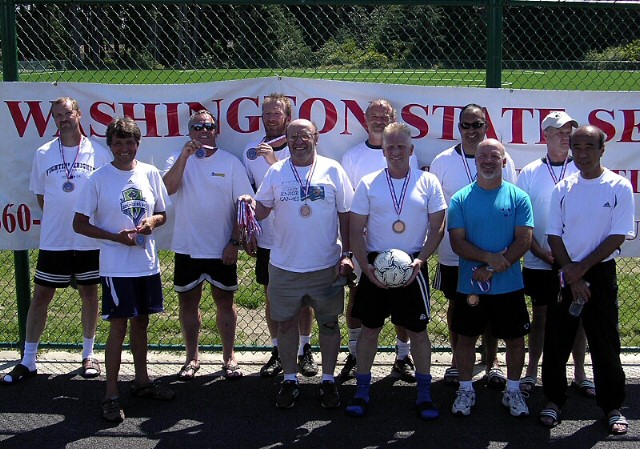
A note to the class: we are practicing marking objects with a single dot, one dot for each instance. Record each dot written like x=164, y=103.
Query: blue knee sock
x=363, y=385
x=424, y=387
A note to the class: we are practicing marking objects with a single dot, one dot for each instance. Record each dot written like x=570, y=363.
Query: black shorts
x=131, y=297
x=190, y=272
x=446, y=280
x=408, y=306
x=262, y=266
x=506, y=314
x=542, y=286
x=56, y=268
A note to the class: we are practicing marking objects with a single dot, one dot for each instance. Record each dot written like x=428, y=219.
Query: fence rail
x=563, y=45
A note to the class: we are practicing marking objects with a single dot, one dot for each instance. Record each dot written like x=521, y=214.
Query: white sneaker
x=464, y=401
x=515, y=402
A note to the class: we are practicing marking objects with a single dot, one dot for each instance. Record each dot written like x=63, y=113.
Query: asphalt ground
x=59, y=409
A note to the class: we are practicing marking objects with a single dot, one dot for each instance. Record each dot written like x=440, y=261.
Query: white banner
x=162, y=112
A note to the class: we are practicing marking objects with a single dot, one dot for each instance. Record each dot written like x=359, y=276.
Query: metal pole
x=494, y=42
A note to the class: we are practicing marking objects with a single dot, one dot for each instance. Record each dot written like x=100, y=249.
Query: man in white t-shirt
x=310, y=196
x=591, y=214
x=455, y=168
x=361, y=160
x=257, y=158
x=205, y=182
x=541, y=282
x=403, y=208
x=59, y=172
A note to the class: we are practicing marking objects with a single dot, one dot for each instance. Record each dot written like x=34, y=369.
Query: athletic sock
x=363, y=385
x=293, y=377
x=274, y=342
x=403, y=348
x=328, y=377
x=424, y=387
x=353, y=339
x=30, y=353
x=87, y=347
x=466, y=385
x=513, y=385
x=304, y=339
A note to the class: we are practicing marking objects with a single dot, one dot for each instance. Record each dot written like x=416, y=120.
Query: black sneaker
x=306, y=365
x=404, y=368
x=329, y=396
x=111, y=410
x=273, y=366
x=287, y=395
x=349, y=369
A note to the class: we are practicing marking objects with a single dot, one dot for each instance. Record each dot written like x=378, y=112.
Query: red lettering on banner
x=630, y=125
x=330, y=113
x=233, y=116
x=414, y=120
x=35, y=112
x=448, y=119
x=150, y=117
x=606, y=127
x=195, y=106
x=632, y=176
x=491, y=131
x=173, y=122
x=100, y=117
x=517, y=123
x=543, y=113
x=353, y=107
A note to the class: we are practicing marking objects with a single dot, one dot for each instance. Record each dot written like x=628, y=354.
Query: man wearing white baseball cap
x=540, y=275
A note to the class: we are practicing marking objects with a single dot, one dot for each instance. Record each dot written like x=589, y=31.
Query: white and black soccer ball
x=393, y=267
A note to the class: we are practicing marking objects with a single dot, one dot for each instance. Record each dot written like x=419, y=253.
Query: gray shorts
x=289, y=291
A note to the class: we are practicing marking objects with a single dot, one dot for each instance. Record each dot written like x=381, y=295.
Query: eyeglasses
x=474, y=125
x=201, y=126
x=305, y=137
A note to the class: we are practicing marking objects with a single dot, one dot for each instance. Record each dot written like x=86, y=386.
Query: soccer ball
x=393, y=267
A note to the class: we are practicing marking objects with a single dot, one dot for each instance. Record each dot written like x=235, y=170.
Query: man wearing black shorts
x=401, y=208
x=59, y=172
x=205, y=182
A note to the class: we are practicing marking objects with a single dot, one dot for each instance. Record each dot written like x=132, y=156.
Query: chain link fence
x=513, y=44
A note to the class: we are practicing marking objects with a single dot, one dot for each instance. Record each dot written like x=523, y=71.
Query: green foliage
x=616, y=57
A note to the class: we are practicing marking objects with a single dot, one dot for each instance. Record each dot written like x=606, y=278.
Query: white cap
x=557, y=119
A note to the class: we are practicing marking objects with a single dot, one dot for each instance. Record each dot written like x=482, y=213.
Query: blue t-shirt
x=489, y=218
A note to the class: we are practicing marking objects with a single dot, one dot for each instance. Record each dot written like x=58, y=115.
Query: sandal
x=232, y=371
x=618, y=420
x=496, y=379
x=17, y=375
x=187, y=372
x=153, y=390
x=585, y=387
x=90, y=368
x=527, y=383
x=427, y=411
x=451, y=377
x=550, y=413
x=357, y=407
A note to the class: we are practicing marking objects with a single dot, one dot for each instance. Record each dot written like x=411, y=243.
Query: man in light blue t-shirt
x=490, y=226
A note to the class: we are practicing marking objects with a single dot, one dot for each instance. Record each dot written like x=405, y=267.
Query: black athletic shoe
x=306, y=365
x=349, y=369
x=404, y=368
x=273, y=366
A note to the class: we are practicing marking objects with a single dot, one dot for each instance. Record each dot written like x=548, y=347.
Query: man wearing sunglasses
x=490, y=227
x=205, y=182
x=257, y=158
x=455, y=168
x=361, y=160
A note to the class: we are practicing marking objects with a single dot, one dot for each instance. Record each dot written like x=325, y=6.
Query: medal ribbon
x=247, y=222
x=70, y=168
x=466, y=165
x=556, y=180
x=398, y=203
x=305, y=187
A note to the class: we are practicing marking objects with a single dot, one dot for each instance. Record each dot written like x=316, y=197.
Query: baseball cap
x=557, y=119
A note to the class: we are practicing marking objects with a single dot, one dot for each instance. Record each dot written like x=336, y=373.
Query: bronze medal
x=398, y=226
x=305, y=211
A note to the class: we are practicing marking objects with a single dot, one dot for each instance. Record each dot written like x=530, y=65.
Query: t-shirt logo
x=315, y=193
x=133, y=204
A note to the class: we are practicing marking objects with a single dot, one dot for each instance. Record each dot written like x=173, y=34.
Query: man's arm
x=40, y=199
x=540, y=253
x=81, y=225
x=434, y=237
x=260, y=210
x=173, y=177
x=463, y=248
x=357, y=224
x=520, y=245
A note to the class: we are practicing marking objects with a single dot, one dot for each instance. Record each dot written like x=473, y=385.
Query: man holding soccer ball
x=401, y=208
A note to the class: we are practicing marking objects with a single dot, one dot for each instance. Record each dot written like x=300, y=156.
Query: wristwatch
x=234, y=242
x=348, y=254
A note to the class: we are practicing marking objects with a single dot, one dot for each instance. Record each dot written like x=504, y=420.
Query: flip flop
x=187, y=372
x=619, y=420
x=90, y=368
x=451, y=377
x=18, y=374
x=551, y=413
x=527, y=383
x=585, y=387
x=232, y=371
x=496, y=379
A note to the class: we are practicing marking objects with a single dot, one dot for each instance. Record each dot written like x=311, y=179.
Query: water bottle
x=575, y=309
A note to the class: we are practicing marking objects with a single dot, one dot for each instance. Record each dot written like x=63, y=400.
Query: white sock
x=353, y=339
x=304, y=339
x=328, y=377
x=466, y=385
x=274, y=342
x=87, y=347
x=513, y=385
x=403, y=348
x=30, y=353
x=293, y=377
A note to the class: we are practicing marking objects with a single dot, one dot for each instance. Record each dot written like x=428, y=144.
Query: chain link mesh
x=555, y=46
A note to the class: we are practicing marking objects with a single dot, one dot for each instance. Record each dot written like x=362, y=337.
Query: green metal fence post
x=494, y=42
x=10, y=73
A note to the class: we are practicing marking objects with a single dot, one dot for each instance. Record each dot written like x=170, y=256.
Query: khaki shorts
x=289, y=291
